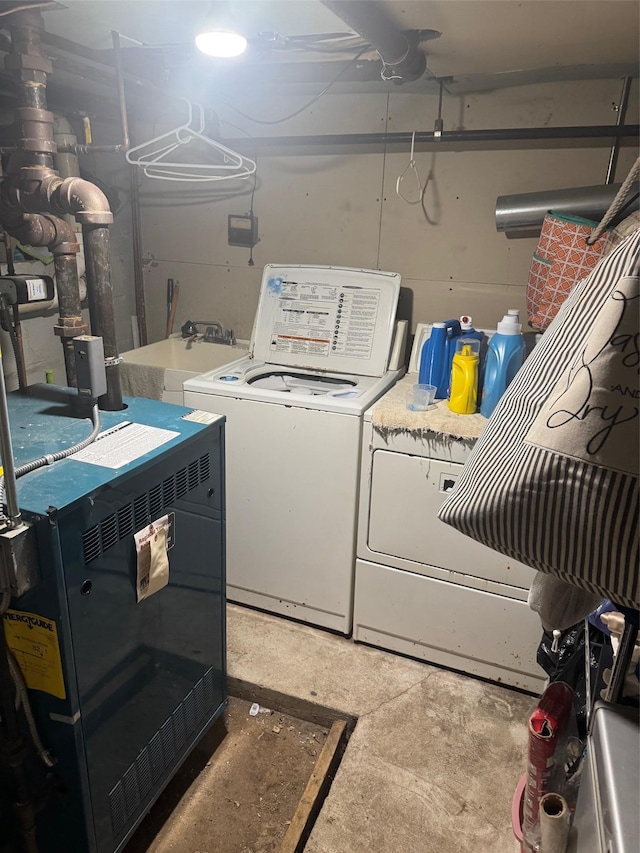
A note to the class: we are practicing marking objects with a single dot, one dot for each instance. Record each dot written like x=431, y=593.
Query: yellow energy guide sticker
x=33, y=640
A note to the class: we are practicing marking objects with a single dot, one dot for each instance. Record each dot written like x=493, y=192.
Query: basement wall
x=339, y=206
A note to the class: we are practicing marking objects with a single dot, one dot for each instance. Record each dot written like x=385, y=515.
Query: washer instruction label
x=325, y=320
x=33, y=640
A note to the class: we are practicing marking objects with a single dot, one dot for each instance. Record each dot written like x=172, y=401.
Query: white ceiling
x=479, y=37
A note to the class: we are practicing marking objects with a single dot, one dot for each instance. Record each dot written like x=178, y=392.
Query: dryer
x=319, y=358
x=421, y=587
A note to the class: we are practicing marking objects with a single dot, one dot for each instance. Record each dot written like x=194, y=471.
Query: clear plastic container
x=420, y=397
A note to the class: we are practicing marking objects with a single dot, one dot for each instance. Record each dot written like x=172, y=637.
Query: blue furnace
x=126, y=688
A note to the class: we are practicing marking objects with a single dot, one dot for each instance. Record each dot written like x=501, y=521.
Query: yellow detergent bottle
x=464, y=377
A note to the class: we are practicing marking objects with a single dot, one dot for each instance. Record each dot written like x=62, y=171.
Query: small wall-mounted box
x=243, y=230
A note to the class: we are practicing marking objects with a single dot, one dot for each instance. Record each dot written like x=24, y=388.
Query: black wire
x=312, y=101
x=253, y=192
x=255, y=181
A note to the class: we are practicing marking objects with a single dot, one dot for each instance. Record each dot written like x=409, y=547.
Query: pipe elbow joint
x=80, y=198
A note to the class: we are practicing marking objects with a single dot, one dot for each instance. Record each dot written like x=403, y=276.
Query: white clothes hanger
x=151, y=156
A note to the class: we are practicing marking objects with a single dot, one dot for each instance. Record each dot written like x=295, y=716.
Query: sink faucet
x=214, y=333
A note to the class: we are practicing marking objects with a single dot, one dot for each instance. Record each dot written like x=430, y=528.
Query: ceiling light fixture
x=221, y=43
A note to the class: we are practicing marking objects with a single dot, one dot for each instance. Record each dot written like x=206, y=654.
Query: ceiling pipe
x=421, y=137
x=32, y=186
x=402, y=59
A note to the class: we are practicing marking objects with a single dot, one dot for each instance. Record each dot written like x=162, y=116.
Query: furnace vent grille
x=140, y=780
x=143, y=509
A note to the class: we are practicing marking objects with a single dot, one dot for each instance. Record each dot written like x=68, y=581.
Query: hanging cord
x=617, y=204
x=421, y=188
x=253, y=192
x=413, y=169
x=431, y=180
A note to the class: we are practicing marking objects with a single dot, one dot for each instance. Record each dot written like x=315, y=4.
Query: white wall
x=334, y=206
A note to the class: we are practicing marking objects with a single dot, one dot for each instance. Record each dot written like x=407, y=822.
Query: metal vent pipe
x=403, y=60
x=527, y=210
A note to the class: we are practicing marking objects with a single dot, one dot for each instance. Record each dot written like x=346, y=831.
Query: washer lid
x=326, y=318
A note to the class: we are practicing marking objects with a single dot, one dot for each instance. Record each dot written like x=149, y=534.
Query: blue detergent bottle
x=454, y=330
x=432, y=356
x=505, y=355
x=436, y=357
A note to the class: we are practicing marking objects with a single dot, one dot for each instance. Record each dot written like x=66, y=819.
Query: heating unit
x=120, y=689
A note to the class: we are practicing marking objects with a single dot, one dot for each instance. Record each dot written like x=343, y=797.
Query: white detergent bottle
x=505, y=355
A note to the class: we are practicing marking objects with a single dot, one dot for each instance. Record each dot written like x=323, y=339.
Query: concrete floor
x=435, y=756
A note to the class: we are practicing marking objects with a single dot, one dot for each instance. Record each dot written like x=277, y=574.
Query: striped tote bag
x=553, y=480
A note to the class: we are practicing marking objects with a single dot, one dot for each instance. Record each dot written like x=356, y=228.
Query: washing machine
x=322, y=351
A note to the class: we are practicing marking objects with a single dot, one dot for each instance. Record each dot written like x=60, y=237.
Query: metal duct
x=528, y=210
x=403, y=60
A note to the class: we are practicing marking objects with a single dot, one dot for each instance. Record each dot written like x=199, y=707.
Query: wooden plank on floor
x=312, y=712
x=316, y=789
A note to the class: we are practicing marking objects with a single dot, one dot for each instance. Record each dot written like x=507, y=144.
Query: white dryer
x=421, y=587
x=319, y=357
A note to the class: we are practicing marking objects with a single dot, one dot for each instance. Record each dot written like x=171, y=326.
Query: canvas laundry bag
x=553, y=480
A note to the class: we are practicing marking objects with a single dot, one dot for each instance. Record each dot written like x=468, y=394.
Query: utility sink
x=159, y=370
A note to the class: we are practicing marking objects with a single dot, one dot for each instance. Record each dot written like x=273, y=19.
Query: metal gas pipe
x=33, y=198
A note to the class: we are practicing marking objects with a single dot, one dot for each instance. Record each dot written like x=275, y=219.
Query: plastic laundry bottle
x=436, y=357
x=432, y=356
x=463, y=398
x=505, y=355
x=453, y=331
x=467, y=331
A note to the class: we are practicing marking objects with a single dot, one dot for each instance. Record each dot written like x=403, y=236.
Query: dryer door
x=406, y=493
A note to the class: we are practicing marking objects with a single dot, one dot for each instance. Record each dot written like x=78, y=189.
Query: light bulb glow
x=222, y=43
